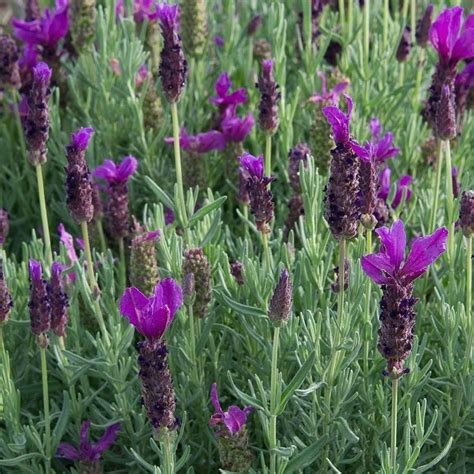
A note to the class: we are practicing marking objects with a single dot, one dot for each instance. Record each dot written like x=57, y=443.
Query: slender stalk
x=401, y=77
x=405, y=11
x=266, y=251
x=437, y=183
x=385, y=24
x=419, y=76
x=61, y=344
x=44, y=214
x=123, y=269
x=21, y=136
x=350, y=19
x=368, y=287
x=470, y=336
x=2, y=345
x=393, y=449
x=167, y=445
x=92, y=281
x=342, y=15
x=449, y=199
x=413, y=20
x=366, y=47
x=274, y=400
x=192, y=343
x=342, y=258
x=268, y=155
x=44, y=380
x=100, y=231
x=177, y=161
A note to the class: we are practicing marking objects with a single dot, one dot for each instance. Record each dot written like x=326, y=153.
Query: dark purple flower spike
x=116, y=212
x=89, y=454
x=173, y=65
x=9, y=71
x=404, y=47
x=58, y=300
x=78, y=177
x=4, y=226
x=395, y=273
x=6, y=302
x=39, y=304
x=256, y=187
x=36, y=123
x=269, y=97
x=466, y=213
x=282, y=300
x=423, y=26
x=341, y=197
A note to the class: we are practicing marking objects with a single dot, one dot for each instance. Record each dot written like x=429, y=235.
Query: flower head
x=9, y=72
x=224, y=99
x=235, y=129
x=251, y=165
x=390, y=265
x=89, y=453
x=231, y=421
x=152, y=315
x=117, y=174
x=402, y=190
x=466, y=213
x=269, y=97
x=142, y=10
x=4, y=225
x=282, y=300
x=6, y=302
x=450, y=38
x=200, y=143
x=46, y=31
x=339, y=121
x=423, y=26
x=58, y=300
x=330, y=97
x=39, y=305
x=404, y=46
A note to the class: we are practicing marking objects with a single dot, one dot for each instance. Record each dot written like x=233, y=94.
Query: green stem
x=449, y=198
x=405, y=12
x=342, y=20
x=192, y=343
x=2, y=345
x=385, y=24
x=268, y=155
x=44, y=214
x=168, y=453
x=123, y=269
x=44, y=379
x=266, y=251
x=274, y=400
x=100, y=231
x=413, y=20
x=401, y=77
x=340, y=299
x=366, y=47
x=368, y=322
x=177, y=161
x=350, y=19
x=21, y=136
x=470, y=336
x=437, y=184
x=419, y=76
x=393, y=449
x=92, y=281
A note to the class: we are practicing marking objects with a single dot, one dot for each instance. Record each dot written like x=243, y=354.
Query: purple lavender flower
x=423, y=26
x=78, y=177
x=298, y=154
x=67, y=241
x=45, y=33
x=269, y=97
x=466, y=213
x=36, y=124
x=9, y=71
x=142, y=10
x=382, y=211
x=453, y=42
x=219, y=41
x=253, y=25
x=200, y=143
x=224, y=99
x=463, y=85
x=402, y=191
x=256, y=185
x=281, y=302
x=40, y=308
x=6, y=302
x=328, y=97
x=446, y=115
x=236, y=129
x=404, y=46
x=4, y=226
x=395, y=274
x=58, y=300
x=173, y=66
x=89, y=454
x=229, y=422
x=236, y=270
x=455, y=182
x=151, y=317
x=117, y=176
x=341, y=210
x=231, y=434
x=32, y=10
x=383, y=145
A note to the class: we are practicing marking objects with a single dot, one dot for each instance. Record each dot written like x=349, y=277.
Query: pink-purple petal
x=107, y=439
x=132, y=302
x=169, y=293
x=373, y=266
x=67, y=451
x=393, y=241
x=215, y=399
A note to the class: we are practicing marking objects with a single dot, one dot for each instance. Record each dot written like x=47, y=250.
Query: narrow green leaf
x=307, y=456
x=241, y=308
x=62, y=422
x=243, y=396
x=216, y=223
x=201, y=213
x=437, y=459
x=160, y=194
x=296, y=382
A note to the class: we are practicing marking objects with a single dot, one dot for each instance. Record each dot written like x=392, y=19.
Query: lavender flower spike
x=341, y=210
x=256, y=185
x=78, y=178
x=6, y=302
x=4, y=226
x=231, y=434
x=40, y=308
x=9, y=72
x=423, y=26
x=282, y=300
x=117, y=176
x=173, y=66
x=395, y=273
x=446, y=115
x=268, y=107
x=58, y=300
x=466, y=213
x=404, y=47
x=36, y=124
x=89, y=454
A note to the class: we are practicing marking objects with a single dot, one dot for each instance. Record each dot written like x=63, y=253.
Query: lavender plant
x=300, y=393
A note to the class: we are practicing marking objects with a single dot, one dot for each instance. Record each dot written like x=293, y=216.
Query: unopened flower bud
x=281, y=301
